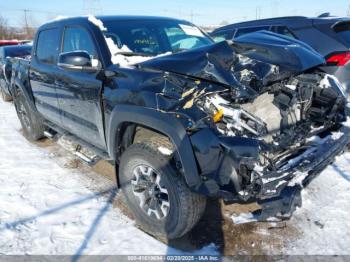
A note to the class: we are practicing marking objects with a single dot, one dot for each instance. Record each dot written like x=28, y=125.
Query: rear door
x=79, y=93
x=42, y=73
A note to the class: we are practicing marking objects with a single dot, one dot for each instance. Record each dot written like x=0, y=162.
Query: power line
x=2, y=8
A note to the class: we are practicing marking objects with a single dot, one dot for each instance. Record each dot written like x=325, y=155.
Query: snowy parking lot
x=49, y=204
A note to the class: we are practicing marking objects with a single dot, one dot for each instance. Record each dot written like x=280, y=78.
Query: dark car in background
x=328, y=35
x=6, y=55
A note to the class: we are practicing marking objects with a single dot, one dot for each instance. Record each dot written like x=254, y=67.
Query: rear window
x=247, y=30
x=48, y=46
x=18, y=52
x=343, y=31
x=283, y=30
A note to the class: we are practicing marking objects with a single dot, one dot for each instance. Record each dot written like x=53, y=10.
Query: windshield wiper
x=132, y=54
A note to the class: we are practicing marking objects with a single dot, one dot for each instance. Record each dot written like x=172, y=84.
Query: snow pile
x=58, y=18
x=49, y=209
x=298, y=179
x=243, y=218
x=122, y=60
x=97, y=22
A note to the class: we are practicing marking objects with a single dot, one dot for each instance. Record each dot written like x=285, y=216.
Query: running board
x=87, y=159
x=100, y=154
x=49, y=135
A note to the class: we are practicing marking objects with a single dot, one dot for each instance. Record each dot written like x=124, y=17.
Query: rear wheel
x=158, y=196
x=31, y=122
x=5, y=96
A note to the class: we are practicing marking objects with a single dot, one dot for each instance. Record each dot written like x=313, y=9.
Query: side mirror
x=78, y=61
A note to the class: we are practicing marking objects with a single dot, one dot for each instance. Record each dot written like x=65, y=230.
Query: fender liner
x=28, y=94
x=160, y=121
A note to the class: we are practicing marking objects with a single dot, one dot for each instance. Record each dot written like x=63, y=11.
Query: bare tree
x=29, y=25
x=7, y=32
x=3, y=28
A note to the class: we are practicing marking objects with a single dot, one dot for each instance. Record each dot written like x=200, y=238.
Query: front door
x=42, y=73
x=79, y=93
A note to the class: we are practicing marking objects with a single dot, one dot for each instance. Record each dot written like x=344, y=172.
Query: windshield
x=156, y=36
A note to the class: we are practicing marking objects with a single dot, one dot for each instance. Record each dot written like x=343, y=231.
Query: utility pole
x=257, y=12
x=26, y=20
x=192, y=15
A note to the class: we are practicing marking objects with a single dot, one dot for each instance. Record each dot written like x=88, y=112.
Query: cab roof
x=78, y=19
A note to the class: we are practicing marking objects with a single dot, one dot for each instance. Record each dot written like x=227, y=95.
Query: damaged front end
x=262, y=119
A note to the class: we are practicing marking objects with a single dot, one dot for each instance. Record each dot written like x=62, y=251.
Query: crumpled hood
x=288, y=53
x=212, y=62
x=217, y=62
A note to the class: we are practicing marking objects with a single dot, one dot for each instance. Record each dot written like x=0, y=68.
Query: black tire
x=186, y=207
x=5, y=96
x=31, y=122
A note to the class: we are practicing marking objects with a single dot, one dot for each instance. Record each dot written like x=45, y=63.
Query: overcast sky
x=201, y=12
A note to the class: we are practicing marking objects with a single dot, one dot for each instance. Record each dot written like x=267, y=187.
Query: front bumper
x=304, y=168
x=279, y=192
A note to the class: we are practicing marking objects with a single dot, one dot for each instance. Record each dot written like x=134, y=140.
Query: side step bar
x=100, y=154
x=87, y=159
x=49, y=135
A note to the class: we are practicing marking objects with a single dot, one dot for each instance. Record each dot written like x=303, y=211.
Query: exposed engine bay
x=283, y=115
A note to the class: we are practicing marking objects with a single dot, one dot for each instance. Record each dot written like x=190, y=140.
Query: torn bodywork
x=262, y=118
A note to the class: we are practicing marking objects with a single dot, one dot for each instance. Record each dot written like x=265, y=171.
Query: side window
x=283, y=30
x=247, y=30
x=78, y=39
x=222, y=35
x=48, y=46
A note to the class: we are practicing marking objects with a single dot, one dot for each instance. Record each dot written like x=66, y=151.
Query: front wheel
x=31, y=122
x=158, y=196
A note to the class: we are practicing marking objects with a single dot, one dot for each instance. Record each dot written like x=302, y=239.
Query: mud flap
x=281, y=207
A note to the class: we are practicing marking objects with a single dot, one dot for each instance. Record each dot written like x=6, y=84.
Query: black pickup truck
x=182, y=118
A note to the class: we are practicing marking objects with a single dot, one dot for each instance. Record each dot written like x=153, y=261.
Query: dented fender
x=163, y=122
x=219, y=157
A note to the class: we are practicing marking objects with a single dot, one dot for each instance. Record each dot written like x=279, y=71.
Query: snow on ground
x=323, y=221
x=48, y=209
